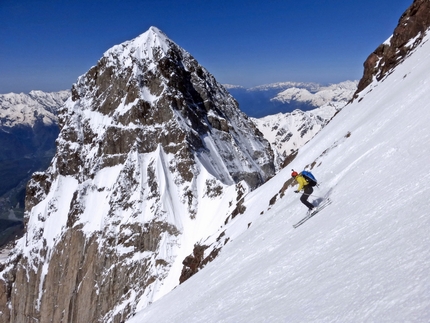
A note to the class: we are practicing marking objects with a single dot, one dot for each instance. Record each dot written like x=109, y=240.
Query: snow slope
x=364, y=258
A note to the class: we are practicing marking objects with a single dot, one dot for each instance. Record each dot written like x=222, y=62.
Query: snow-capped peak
x=152, y=45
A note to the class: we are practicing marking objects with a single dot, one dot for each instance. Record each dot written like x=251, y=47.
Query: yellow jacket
x=302, y=182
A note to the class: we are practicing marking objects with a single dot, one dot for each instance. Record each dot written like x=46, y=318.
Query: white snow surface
x=25, y=109
x=364, y=258
x=147, y=46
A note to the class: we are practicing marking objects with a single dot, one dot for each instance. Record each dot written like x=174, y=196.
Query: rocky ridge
x=408, y=34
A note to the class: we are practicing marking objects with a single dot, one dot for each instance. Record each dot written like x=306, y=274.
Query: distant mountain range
x=283, y=97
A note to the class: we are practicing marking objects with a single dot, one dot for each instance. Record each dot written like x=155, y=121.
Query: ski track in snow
x=362, y=259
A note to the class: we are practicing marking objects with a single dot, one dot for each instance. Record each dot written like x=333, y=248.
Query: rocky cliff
x=408, y=34
x=149, y=144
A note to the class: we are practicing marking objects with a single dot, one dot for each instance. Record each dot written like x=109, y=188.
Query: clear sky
x=46, y=44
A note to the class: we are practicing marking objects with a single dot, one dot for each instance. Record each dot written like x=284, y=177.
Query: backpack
x=310, y=178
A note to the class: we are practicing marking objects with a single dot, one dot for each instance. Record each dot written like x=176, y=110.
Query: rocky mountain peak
x=408, y=34
x=149, y=142
x=150, y=82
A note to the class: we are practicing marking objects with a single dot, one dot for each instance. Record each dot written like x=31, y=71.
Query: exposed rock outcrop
x=408, y=34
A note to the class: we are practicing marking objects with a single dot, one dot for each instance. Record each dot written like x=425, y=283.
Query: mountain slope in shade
x=363, y=258
x=153, y=155
x=28, y=129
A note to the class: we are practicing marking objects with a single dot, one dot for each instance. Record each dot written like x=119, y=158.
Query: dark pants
x=304, y=198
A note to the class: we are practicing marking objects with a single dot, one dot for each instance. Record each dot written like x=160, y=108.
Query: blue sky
x=45, y=45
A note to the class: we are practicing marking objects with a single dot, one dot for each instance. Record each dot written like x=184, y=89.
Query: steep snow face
x=341, y=93
x=153, y=155
x=151, y=46
x=26, y=109
x=363, y=258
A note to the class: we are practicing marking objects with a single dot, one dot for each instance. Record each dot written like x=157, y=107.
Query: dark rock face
x=193, y=263
x=406, y=36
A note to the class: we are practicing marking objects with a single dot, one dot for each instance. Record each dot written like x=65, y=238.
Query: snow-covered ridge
x=319, y=96
x=281, y=86
x=287, y=132
x=232, y=86
x=149, y=46
x=26, y=109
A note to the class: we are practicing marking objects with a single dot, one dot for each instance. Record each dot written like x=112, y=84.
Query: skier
x=307, y=190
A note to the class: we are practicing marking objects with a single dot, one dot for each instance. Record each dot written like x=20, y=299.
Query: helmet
x=294, y=174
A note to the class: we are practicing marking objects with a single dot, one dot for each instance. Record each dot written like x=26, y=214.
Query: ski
x=321, y=206
x=303, y=220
